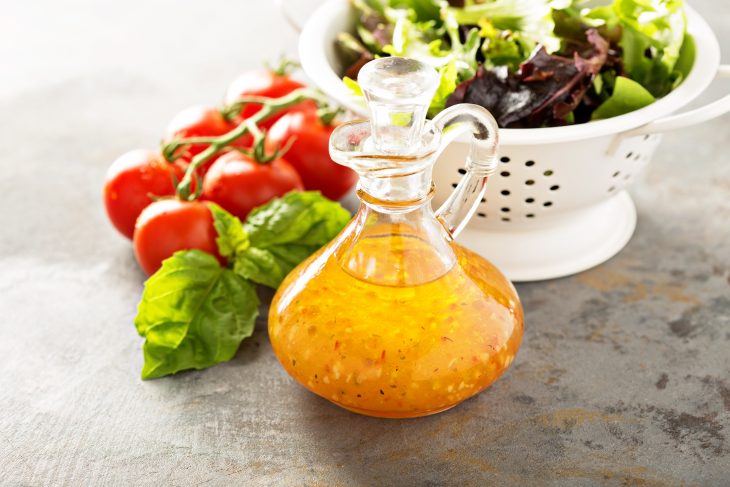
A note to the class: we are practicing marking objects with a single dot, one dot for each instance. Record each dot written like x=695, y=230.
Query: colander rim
x=317, y=40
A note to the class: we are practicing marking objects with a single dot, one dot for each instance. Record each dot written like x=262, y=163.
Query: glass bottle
x=393, y=318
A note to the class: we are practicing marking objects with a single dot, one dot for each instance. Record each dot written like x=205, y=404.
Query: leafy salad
x=532, y=63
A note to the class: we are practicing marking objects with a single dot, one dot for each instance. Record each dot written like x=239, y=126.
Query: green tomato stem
x=269, y=107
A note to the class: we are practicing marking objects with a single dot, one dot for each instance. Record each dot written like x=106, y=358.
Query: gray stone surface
x=623, y=378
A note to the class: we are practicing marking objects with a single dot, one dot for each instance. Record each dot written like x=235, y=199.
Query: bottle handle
x=481, y=162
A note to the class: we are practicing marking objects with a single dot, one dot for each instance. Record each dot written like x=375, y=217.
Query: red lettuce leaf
x=545, y=91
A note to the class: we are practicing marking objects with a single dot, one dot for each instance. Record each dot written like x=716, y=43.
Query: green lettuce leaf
x=193, y=314
x=424, y=41
x=531, y=18
x=448, y=80
x=686, y=56
x=413, y=39
x=286, y=231
x=503, y=47
x=372, y=27
x=628, y=95
x=352, y=85
x=424, y=10
x=653, y=35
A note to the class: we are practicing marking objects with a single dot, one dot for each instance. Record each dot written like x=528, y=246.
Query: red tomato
x=309, y=153
x=167, y=226
x=130, y=181
x=201, y=121
x=262, y=82
x=239, y=184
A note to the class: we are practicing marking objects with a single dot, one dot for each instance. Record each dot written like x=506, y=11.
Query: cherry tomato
x=309, y=153
x=130, y=181
x=201, y=121
x=166, y=226
x=239, y=184
x=263, y=82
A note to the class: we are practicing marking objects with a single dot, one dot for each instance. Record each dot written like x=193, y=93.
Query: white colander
x=558, y=204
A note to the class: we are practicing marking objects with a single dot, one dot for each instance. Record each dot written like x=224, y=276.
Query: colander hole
x=637, y=157
x=616, y=174
x=484, y=200
x=530, y=215
x=505, y=219
x=627, y=177
x=647, y=137
x=453, y=185
x=529, y=200
x=481, y=215
x=547, y=204
x=504, y=210
x=628, y=156
x=505, y=160
x=554, y=187
x=530, y=163
x=504, y=174
x=548, y=173
x=505, y=192
x=530, y=182
x=612, y=189
x=462, y=170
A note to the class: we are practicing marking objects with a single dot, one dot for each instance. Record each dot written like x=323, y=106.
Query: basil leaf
x=232, y=239
x=193, y=314
x=302, y=217
x=286, y=231
x=270, y=266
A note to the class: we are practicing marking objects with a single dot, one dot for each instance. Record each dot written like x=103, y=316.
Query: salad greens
x=532, y=63
x=628, y=95
x=194, y=312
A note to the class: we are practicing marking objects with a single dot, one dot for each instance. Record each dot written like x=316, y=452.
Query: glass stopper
x=398, y=92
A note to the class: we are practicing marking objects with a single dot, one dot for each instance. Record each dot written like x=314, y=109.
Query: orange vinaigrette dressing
x=392, y=318
x=395, y=350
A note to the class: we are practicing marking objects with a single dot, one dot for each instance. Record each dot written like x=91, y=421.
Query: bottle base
x=395, y=414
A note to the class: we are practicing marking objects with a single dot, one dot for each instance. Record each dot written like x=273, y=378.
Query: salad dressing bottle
x=393, y=318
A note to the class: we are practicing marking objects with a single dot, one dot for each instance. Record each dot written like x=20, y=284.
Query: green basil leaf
x=301, y=217
x=260, y=266
x=193, y=314
x=627, y=96
x=231, y=239
x=286, y=231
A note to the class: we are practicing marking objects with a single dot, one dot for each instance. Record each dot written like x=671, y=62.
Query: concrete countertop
x=624, y=373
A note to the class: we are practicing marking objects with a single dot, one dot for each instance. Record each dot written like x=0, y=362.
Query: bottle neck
x=396, y=194
x=396, y=243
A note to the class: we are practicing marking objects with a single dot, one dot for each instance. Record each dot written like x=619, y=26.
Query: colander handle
x=687, y=119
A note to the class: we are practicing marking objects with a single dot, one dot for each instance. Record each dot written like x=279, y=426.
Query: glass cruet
x=393, y=318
